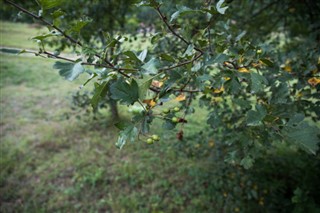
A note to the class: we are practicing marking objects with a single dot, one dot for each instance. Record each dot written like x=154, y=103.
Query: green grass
x=19, y=34
x=51, y=163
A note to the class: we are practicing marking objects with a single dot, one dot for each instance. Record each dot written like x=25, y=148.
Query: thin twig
x=165, y=21
x=181, y=64
x=109, y=64
x=53, y=26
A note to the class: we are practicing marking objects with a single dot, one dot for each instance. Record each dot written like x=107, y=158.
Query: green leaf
x=69, y=71
x=267, y=62
x=247, y=162
x=296, y=119
x=122, y=125
x=221, y=58
x=280, y=94
x=100, y=91
x=167, y=57
x=76, y=28
x=42, y=37
x=126, y=92
x=240, y=36
x=128, y=134
x=189, y=50
x=150, y=66
x=58, y=13
x=144, y=85
x=22, y=51
x=214, y=120
x=233, y=86
x=148, y=3
x=219, y=7
x=304, y=135
x=48, y=4
x=168, y=125
x=156, y=37
x=143, y=55
x=132, y=56
x=254, y=118
x=182, y=10
x=257, y=82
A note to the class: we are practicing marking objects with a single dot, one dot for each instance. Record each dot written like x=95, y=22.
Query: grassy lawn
x=53, y=163
x=11, y=36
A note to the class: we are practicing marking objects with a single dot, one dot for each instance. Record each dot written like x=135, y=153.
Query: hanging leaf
x=182, y=10
x=247, y=162
x=48, y=4
x=304, y=135
x=126, y=93
x=181, y=97
x=221, y=9
x=314, y=81
x=167, y=57
x=100, y=92
x=257, y=82
x=150, y=67
x=143, y=55
x=128, y=134
x=144, y=85
x=76, y=28
x=254, y=118
x=132, y=56
x=280, y=94
x=267, y=62
x=69, y=71
x=189, y=50
x=150, y=102
x=243, y=69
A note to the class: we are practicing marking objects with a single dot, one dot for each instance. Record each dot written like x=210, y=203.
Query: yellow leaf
x=314, y=81
x=228, y=64
x=243, y=69
x=241, y=59
x=181, y=97
x=150, y=102
x=315, y=71
x=217, y=91
x=157, y=83
x=287, y=68
x=211, y=143
x=226, y=78
x=256, y=64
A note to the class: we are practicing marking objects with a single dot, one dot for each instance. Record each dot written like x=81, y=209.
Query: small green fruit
x=155, y=137
x=166, y=111
x=176, y=109
x=149, y=141
x=207, y=83
x=259, y=51
x=175, y=120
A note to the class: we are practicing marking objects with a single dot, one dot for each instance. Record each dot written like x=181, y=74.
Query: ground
x=52, y=161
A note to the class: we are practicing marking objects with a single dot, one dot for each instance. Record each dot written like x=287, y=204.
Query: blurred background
x=58, y=155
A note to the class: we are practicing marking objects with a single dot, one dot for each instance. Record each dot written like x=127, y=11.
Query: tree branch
x=109, y=64
x=55, y=27
x=164, y=19
x=181, y=64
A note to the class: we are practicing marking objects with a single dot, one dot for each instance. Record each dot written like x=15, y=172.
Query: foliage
x=258, y=91
x=53, y=164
